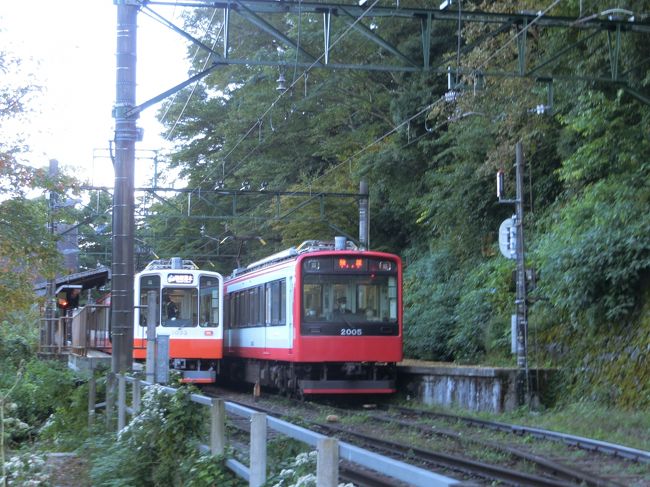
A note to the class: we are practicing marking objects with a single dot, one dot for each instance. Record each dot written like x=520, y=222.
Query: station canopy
x=93, y=278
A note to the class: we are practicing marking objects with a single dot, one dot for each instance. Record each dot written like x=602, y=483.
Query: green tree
x=26, y=248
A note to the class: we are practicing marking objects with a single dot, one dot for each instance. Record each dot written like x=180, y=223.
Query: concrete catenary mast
x=123, y=199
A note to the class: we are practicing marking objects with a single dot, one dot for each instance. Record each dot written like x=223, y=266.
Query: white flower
x=308, y=480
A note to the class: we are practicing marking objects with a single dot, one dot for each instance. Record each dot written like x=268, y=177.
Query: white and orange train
x=321, y=318
x=317, y=319
x=188, y=308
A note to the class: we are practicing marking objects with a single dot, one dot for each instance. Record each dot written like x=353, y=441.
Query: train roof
x=173, y=263
x=292, y=252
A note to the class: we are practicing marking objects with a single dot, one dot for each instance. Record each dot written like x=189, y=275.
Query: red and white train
x=187, y=307
x=317, y=319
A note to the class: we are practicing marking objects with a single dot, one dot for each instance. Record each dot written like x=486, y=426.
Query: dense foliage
x=159, y=447
x=430, y=166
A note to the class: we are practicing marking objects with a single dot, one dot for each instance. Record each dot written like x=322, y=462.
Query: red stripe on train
x=330, y=349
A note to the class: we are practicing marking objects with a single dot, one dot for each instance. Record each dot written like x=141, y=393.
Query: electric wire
x=189, y=97
x=279, y=97
x=539, y=16
x=379, y=139
x=295, y=62
x=508, y=42
x=348, y=160
x=258, y=123
x=512, y=39
x=205, y=65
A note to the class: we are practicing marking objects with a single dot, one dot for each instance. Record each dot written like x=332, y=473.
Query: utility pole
x=511, y=242
x=520, y=298
x=123, y=199
x=49, y=330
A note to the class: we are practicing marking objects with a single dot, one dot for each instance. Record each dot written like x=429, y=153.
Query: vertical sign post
x=511, y=243
x=520, y=299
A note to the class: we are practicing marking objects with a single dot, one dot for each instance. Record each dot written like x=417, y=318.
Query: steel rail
x=454, y=462
x=553, y=468
x=463, y=464
x=573, y=440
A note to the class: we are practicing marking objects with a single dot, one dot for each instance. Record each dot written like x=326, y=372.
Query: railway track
x=406, y=434
x=571, y=440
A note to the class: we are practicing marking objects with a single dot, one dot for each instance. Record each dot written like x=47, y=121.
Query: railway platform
x=475, y=388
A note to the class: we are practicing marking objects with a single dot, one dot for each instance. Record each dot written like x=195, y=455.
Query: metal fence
x=76, y=332
x=329, y=450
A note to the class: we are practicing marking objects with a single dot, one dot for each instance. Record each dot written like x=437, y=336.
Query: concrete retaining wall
x=471, y=388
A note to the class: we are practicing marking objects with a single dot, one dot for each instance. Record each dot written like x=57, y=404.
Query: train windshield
x=350, y=298
x=179, y=307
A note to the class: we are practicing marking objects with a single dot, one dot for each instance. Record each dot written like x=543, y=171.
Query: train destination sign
x=180, y=279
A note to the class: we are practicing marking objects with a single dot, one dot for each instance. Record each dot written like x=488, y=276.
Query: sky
x=69, y=49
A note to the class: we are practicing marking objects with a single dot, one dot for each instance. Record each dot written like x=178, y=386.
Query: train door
x=276, y=314
x=146, y=284
x=289, y=310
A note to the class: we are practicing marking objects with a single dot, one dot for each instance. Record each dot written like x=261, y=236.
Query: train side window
x=392, y=298
x=209, y=302
x=261, y=302
x=241, y=308
x=283, y=302
x=276, y=306
x=253, y=307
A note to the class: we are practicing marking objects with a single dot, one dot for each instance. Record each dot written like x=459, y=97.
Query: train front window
x=179, y=307
x=209, y=302
x=349, y=298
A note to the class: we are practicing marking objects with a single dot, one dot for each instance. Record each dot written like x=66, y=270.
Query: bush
x=27, y=470
x=67, y=427
x=44, y=387
x=158, y=447
x=18, y=338
x=431, y=292
x=483, y=311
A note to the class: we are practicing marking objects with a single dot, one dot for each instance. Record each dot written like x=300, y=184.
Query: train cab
x=316, y=319
x=185, y=304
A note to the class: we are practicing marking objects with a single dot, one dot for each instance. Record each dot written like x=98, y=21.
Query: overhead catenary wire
x=512, y=39
x=258, y=122
x=288, y=89
x=524, y=29
x=189, y=97
x=348, y=160
x=429, y=107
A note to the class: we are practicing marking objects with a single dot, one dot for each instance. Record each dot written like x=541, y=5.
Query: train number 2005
x=351, y=331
